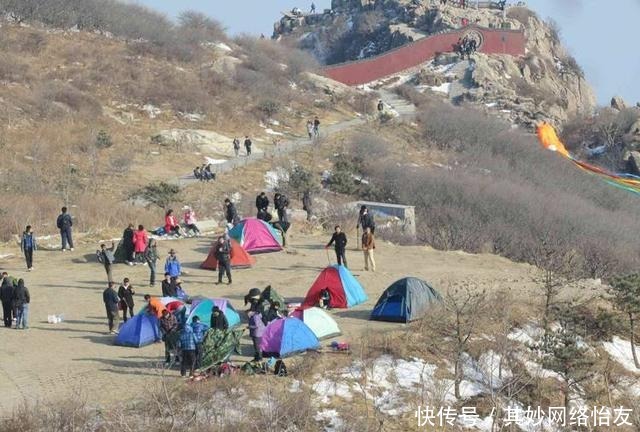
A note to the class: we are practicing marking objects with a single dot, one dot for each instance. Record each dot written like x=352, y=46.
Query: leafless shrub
x=71, y=97
x=12, y=68
x=522, y=14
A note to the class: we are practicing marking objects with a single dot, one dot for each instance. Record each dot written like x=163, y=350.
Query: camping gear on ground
x=339, y=346
x=141, y=330
x=256, y=236
x=405, y=300
x=319, y=321
x=287, y=336
x=240, y=258
x=218, y=345
x=202, y=308
x=280, y=369
x=160, y=231
x=55, y=319
x=344, y=289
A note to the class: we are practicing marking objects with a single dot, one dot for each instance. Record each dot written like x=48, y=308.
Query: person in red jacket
x=171, y=225
x=140, y=241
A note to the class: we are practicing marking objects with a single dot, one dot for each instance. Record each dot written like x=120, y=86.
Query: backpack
x=280, y=369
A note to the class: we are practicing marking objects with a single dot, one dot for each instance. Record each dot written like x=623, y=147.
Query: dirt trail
x=77, y=357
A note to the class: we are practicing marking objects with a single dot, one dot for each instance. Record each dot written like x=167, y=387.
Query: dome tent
x=346, y=291
x=319, y=321
x=239, y=257
x=287, y=336
x=405, y=300
x=256, y=236
x=140, y=330
x=202, y=308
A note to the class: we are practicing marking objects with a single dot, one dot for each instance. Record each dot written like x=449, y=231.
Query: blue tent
x=405, y=300
x=202, y=307
x=141, y=330
x=345, y=290
x=287, y=336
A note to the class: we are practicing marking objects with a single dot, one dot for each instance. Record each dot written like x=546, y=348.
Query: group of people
x=15, y=299
x=173, y=228
x=368, y=244
x=466, y=46
x=313, y=128
x=247, y=146
x=280, y=203
x=204, y=173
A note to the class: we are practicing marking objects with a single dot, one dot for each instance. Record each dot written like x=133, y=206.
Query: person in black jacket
x=127, y=244
x=64, y=224
x=365, y=220
x=262, y=202
x=21, y=299
x=230, y=212
x=106, y=257
x=168, y=286
x=340, y=240
x=110, y=299
x=6, y=296
x=280, y=202
x=223, y=255
x=273, y=313
x=247, y=145
x=125, y=294
x=218, y=320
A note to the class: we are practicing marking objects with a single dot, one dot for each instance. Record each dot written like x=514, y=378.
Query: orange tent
x=240, y=258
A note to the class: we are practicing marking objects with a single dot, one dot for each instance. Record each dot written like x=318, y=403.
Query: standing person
x=125, y=294
x=313, y=8
x=64, y=224
x=281, y=202
x=140, y=241
x=28, y=246
x=368, y=246
x=110, y=299
x=340, y=240
x=151, y=256
x=199, y=330
x=380, y=106
x=128, y=244
x=190, y=221
x=107, y=258
x=172, y=264
x=223, y=255
x=171, y=225
x=218, y=319
x=169, y=330
x=307, y=204
x=247, y=145
x=230, y=212
x=365, y=220
x=310, y=128
x=168, y=287
x=187, y=344
x=256, y=330
x=21, y=301
x=236, y=146
x=6, y=296
x=262, y=203
x=316, y=127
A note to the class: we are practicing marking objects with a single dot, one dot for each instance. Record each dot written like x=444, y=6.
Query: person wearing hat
x=172, y=264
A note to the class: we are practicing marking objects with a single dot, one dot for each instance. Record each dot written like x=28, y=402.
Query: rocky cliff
x=544, y=84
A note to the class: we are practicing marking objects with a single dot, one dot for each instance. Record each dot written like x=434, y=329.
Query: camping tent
x=319, y=321
x=345, y=290
x=139, y=331
x=239, y=257
x=202, y=308
x=405, y=300
x=287, y=336
x=256, y=236
x=270, y=295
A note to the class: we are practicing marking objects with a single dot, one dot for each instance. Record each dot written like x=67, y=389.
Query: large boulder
x=618, y=103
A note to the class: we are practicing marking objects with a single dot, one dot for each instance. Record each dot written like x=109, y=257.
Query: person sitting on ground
x=125, y=294
x=187, y=344
x=172, y=264
x=197, y=173
x=230, y=212
x=110, y=299
x=140, y=241
x=168, y=288
x=190, y=221
x=128, y=245
x=199, y=330
x=171, y=225
x=169, y=330
x=154, y=306
x=325, y=299
x=208, y=173
x=273, y=313
x=218, y=319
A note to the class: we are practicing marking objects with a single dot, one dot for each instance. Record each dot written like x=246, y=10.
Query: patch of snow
x=152, y=111
x=295, y=387
x=4, y=256
x=272, y=132
x=273, y=178
x=527, y=335
x=274, y=122
x=192, y=117
x=214, y=161
x=223, y=46
x=293, y=85
x=442, y=88
x=491, y=104
x=328, y=389
x=620, y=350
x=333, y=422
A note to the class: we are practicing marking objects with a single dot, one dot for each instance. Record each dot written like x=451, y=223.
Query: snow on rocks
x=620, y=350
x=331, y=420
x=273, y=178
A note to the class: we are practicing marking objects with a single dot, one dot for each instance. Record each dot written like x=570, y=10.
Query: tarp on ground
x=256, y=236
x=405, y=300
x=345, y=290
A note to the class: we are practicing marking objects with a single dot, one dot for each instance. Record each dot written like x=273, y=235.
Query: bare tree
x=625, y=296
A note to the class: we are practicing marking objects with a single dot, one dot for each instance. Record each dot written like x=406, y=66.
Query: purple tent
x=287, y=336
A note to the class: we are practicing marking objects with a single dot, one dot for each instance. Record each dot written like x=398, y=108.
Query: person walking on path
x=28, y=246
x=107, y=258
x=281, y=202
x=256, y=330
x=223, y=255
x=218, y=319
x=64, y=224
x=140, y=241
x=236, y=146
x=187, y=344
x=128, y=244
x=21, y=299
x=247, y=145
x=310, y=129
x=125, y=294
x=110, y=299
x=316, y=127
x=6, y=297
x=199, y=330
x=170, y=335
x=368, y=246
x=172, y=264
x=151, y=256
x=230, y=212
x=340, y=240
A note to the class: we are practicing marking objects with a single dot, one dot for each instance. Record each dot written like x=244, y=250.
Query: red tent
x=240, y=258
x=344, y=289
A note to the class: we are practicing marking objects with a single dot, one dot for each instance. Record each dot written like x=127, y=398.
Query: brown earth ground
x=77, y=358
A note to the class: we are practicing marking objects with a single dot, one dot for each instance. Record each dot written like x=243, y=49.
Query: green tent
x=270, y=295
x=218, y=345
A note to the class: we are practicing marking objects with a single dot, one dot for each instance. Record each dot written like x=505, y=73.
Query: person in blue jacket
x=172, y=265
x=28, y=246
